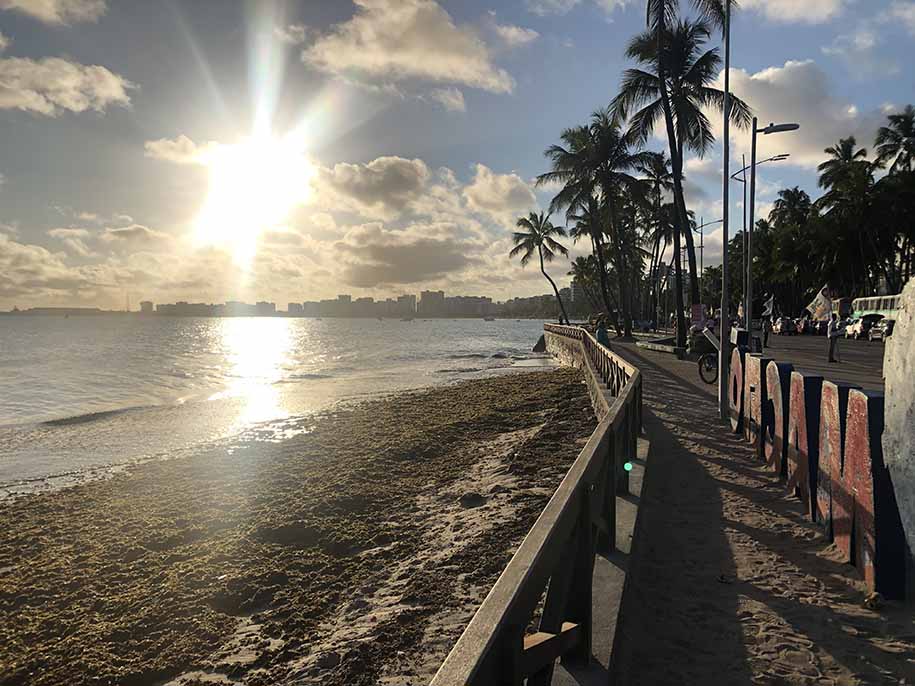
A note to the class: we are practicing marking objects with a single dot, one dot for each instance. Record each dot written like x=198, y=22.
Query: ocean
x=82, y=397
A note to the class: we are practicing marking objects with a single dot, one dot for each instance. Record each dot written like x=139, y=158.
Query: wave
x=468, y=356
x=460, y=370
x=91, y=416
x=305, y=377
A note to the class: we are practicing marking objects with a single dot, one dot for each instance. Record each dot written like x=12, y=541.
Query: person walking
x=601, y=334
x=833, y=331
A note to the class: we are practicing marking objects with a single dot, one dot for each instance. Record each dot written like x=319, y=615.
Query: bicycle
x=708, y=367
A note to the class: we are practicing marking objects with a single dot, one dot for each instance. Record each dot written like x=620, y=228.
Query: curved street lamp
x=748, y=296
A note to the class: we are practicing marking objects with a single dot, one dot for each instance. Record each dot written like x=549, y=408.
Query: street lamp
x=724, y=324
x=698, y=230
x=743, y=179
x=748, y=296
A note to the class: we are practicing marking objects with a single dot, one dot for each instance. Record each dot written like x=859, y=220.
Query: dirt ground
x=731, y=583
x=352, y=554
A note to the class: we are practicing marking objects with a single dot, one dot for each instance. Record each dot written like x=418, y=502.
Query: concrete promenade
x=730, y=584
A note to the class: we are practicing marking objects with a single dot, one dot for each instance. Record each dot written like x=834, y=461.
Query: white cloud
x=902, y=11
x=58, y=11
x=180, y=150
x=503, y=197
x=51, y=85
x=396, y=40
x=515, y=36
x=856, y=50
x=799, y=92
x=73, y=239
x=545, y=7
x=294, y=34
x=802, y=11
x=452, y=99
x=4, y=42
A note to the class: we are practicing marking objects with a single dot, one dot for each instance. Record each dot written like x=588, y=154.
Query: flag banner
x=821, y=307
x=769, y=308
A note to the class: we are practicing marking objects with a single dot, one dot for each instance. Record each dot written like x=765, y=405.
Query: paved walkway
x=729, y=584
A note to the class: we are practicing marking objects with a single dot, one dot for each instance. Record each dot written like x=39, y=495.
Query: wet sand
x=351, y=554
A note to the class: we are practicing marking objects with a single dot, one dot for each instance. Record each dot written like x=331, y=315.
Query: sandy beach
x=351, y=554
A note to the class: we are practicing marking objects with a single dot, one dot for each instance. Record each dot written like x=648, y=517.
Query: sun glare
x=253, y=187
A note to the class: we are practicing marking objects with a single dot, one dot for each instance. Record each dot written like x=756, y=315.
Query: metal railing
x=557, y=555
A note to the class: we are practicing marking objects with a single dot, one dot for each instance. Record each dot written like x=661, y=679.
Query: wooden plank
x=544, y=648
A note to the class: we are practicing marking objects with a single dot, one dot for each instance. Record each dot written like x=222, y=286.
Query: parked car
x=881, y=330
x=784, y=327
x=860, y=327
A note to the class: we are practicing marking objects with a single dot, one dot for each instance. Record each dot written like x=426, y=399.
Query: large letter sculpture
x=803, y=437
x=778, y=384
x=755, y=405
x=833, y=486
x=735, y=390
x=877, y=541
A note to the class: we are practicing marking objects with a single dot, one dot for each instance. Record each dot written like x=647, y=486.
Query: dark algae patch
x=353, y=554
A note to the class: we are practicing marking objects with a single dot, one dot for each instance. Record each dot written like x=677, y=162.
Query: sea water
x=83, y=395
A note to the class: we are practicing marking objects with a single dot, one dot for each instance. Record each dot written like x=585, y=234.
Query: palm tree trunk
x=602, y=267
x=678, y=296
x=555, y=290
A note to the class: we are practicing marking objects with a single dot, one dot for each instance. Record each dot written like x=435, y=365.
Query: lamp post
x=766, y=130
x=724, y=320
x=741, y=177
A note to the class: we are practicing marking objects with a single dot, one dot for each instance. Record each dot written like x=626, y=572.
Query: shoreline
x=352, y=553
x=98, y=425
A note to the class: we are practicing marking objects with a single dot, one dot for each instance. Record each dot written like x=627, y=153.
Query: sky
x=212, y=150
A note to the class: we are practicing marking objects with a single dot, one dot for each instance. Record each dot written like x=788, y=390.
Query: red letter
x=833, y=408
x=803, y=435
x=735, y=390
x=754, y=400
x=778, y=381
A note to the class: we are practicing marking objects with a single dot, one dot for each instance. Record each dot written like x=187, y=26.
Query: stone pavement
x=729, y=583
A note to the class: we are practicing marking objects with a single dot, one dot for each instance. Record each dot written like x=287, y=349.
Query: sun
x=253, y=187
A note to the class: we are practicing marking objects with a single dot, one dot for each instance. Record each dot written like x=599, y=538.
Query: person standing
x=833, y=331
x=766, y=327
x=601, y=334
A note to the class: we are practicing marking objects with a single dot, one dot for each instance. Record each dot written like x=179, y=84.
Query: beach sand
x=354, y=553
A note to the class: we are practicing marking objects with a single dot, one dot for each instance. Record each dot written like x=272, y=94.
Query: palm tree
x=584, y=272
x=538, y=236
x=896, y=142
x=657, y=174
x=594, y=163
x=791, y=208
x=676, y=75
x=843, y=160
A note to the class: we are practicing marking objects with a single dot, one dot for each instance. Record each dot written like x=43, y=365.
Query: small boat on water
x=489, y=319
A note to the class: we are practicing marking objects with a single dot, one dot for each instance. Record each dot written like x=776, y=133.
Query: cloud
x=395, y=40
x=4, y=42
x=382, y=188
x=856, y=50
x=799, y=92
x=546, y=7
x=58, y=11
x=181, y=150
x=452, y=99
x=903, y=12
x=501, y=196
x=294, y=34
x=374, y=256
x=134, y=237
x=73, y=239
x=515, y=36
x=51, y=85
x=790, y=11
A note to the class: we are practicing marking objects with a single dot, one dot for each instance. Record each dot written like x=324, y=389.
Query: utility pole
x=724, y=319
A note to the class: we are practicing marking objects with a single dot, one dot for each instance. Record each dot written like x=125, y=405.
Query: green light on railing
x=628, y=466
